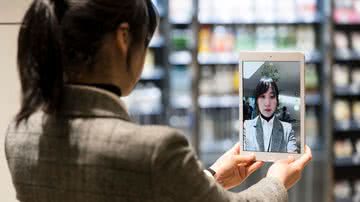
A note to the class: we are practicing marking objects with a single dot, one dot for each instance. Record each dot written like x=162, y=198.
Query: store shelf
x=347, y=161
x=312, y=99
x=348, y=92
x=347, y=168
x=296, y=21
x=232, y=58
x=180, y=102
x=226, y=101
x=148, y=112
x=346, y=55
x=347, y=126
x=180, y=58
x=156, y=74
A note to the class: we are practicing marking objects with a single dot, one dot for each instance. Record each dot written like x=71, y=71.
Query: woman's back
x=90, y=152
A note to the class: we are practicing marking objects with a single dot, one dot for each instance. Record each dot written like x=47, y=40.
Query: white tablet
x=272, y=106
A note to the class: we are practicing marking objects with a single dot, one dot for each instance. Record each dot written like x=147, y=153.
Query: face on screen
x=271, y=106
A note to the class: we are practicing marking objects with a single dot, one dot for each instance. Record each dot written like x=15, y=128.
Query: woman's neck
x=267, y=118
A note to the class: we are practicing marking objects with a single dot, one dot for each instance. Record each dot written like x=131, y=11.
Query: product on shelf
x=346, y=11
x=342, y=113
x=180, y=86
x=355, y=78
x=243, y=10
x=357, y=190
x=223, y=39
x=235, y=11
x=306, y=10
x=305, y=35
x=356, y=113
x=207, y=81
x=357, y=146
x=205, y=36
x=342, y=190
x=145, y=99
x=341, y=42
x=181, y=39
x=207, y=128
x=341, y=75
x=222, y=43
x=343, y=149
x=245, y=38
x=285, y=10
x=236, y=81
x=265, y=37
x=149, y=63
x=311, y=78
x=265, y=11
x=181, y=121
x=223, y=82
x=181, y=11
x=355, y=41
x=286, y=37
x=311, y=129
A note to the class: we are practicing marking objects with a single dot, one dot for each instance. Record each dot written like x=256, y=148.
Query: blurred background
x=190, y=80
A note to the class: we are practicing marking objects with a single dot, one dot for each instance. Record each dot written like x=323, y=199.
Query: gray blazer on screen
x=92, y=152
x=282, y=137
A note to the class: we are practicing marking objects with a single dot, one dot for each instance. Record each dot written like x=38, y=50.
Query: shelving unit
x=149, y=102
x=199, y=92
x=346, y=93
x=219, y=108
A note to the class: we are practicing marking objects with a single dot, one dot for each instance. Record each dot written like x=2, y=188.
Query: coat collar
x=88, y=101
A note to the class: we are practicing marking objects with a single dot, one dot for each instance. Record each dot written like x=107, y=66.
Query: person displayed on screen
x=266, y=133
x=73, y=139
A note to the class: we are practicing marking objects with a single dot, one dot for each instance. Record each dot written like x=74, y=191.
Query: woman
x=73, y=140
x=266, y=133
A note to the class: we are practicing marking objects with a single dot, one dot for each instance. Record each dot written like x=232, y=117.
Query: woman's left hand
x=232, y=168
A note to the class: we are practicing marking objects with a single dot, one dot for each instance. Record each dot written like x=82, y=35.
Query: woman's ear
x=123, y=38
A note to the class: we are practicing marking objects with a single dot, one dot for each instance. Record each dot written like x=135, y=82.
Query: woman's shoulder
x=286, y=125
x=160, y=134
x=250, y=122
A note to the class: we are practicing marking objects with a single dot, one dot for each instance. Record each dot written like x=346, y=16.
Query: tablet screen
x=271, y=106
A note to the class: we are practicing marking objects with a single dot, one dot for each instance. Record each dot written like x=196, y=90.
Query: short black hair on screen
x=263, y=86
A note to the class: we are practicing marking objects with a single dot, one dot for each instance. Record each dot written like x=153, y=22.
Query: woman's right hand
x=289, y=171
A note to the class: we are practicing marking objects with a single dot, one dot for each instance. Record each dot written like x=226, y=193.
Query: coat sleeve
x=177, y=175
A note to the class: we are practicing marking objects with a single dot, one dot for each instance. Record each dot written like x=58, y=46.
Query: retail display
x=225, y=39
x=346, y=76
x=221, y=29
x=181, y=11
x=342, y=113
x=342, y=75
x=266, y=11
x=311, y=79
x=180, y=87
x=356, y=114
x=346, y=11
x=312, y=126
x=343, y=148
x=342, y=190
x=144, y=100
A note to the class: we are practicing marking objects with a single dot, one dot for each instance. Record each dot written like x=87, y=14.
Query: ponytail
x=40, y=58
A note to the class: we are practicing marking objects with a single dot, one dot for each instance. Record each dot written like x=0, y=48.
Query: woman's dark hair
x=65, y=33
x=263, y=86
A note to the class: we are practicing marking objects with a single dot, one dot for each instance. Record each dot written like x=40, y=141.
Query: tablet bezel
x=249, y=56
